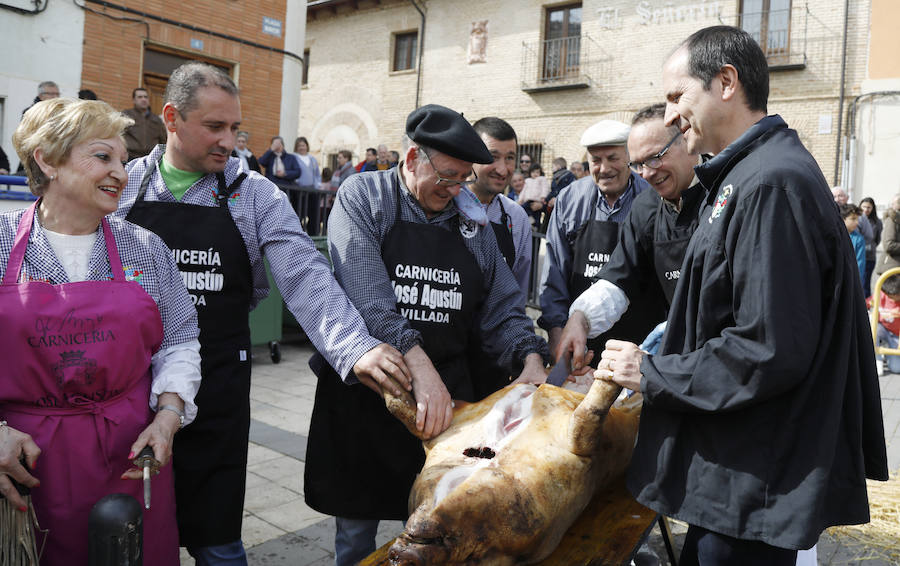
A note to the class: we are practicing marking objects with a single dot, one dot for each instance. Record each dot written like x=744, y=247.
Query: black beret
x=446, y=130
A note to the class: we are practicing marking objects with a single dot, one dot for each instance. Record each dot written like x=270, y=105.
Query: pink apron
x=75, y=375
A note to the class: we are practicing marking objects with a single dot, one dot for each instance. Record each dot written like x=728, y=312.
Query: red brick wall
x=113, y=51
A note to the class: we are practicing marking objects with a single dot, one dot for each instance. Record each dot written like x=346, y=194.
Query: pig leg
x=586, y=422
x=404, y=409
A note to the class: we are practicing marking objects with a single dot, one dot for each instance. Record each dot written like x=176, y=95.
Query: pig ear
x=586, y=422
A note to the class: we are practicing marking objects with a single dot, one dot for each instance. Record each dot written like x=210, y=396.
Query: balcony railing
x=780, y=33
x=556, y=63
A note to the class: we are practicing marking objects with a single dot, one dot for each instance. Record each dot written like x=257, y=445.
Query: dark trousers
x=706, y=548
x=867, y=283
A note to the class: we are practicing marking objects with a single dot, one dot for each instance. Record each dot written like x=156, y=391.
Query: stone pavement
x=280, y=530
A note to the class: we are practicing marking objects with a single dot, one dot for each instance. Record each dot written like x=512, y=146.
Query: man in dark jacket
x=762, y=413
x=148, y=129
x=562, y=178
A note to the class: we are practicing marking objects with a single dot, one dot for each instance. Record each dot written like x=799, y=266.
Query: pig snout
x=408, y=551
x=405, y=556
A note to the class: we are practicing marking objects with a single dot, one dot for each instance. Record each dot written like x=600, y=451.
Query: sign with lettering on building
x=659, y=12
x=271, y=26
x=197, y=44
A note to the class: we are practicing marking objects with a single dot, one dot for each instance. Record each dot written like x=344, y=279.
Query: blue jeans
x=889, y=339
x=354, y=539
x=230, y=554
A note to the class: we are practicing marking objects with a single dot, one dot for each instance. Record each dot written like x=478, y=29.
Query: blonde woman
x=101, y=356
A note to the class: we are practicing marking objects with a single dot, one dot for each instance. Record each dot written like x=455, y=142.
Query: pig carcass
x=512, y=472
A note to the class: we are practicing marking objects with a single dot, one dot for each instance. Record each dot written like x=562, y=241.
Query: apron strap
x=112, y=251
x=17, y=254
x=23, y=233
x=145, y=180
x=504, y=218
x=225, y=191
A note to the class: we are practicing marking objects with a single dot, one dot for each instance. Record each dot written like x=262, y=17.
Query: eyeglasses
x=524, y=161
x=655, y=161
x=448, y=182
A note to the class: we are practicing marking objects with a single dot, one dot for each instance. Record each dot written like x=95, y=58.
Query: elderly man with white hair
x=583, y=232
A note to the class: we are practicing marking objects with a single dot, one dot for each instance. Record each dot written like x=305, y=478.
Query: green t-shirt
x=177, y=181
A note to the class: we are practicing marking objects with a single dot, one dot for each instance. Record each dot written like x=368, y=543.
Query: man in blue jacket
x=762, y=412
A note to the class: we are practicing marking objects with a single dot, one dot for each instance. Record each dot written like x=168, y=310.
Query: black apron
x=360, y=460
x=594, y=243
x=487, y=376
x=503, y=234
x=210, y=454
x=669, y=246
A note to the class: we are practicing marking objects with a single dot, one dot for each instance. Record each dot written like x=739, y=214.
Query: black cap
x=446, y=130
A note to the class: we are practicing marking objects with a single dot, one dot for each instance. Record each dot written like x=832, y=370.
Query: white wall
x=45, y=46
x=877, y=144
x=292, y=77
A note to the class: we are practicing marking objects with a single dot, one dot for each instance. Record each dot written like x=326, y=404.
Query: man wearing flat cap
x=583, y=232
x=425, y=279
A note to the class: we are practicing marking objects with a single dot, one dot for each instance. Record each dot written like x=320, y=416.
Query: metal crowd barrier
x=873, y=317
x=8, y=180
x=313, y=206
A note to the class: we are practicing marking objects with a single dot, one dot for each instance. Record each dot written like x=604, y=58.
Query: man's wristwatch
x=175, y=410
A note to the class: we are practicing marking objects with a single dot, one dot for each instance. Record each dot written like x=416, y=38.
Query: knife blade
x=561, y=370
x=148, y=464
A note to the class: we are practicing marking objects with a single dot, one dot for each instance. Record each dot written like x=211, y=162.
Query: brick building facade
x=125, y=49
x=553, y=68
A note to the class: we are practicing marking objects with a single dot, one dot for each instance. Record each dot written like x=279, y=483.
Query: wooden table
x=607, y=533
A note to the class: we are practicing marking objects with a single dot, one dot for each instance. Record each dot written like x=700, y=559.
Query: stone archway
x=345, y=123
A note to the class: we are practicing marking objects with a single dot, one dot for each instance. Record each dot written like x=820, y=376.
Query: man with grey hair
x=383, y=161
x=219, y=244
x=583, y=232
x=46, y=91
x=865, y=227
x=654, y=236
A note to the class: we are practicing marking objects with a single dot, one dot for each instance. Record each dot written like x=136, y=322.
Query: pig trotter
x=586, y=422
x=404, y=409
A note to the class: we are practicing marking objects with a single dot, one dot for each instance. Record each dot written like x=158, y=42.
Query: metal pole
x=837, y=150
x=421, y=49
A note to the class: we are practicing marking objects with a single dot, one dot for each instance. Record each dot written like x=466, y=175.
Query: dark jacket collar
x=710, y=172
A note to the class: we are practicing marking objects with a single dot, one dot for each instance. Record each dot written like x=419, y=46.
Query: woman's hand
x=159, y=435
x=13, y=445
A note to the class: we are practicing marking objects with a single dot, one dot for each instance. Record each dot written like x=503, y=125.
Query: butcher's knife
x=148, y=464
x=561, y=370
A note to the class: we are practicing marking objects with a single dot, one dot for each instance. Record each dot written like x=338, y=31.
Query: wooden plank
x=607, y=533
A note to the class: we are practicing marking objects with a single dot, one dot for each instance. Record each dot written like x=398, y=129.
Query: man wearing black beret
x=425, y=279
